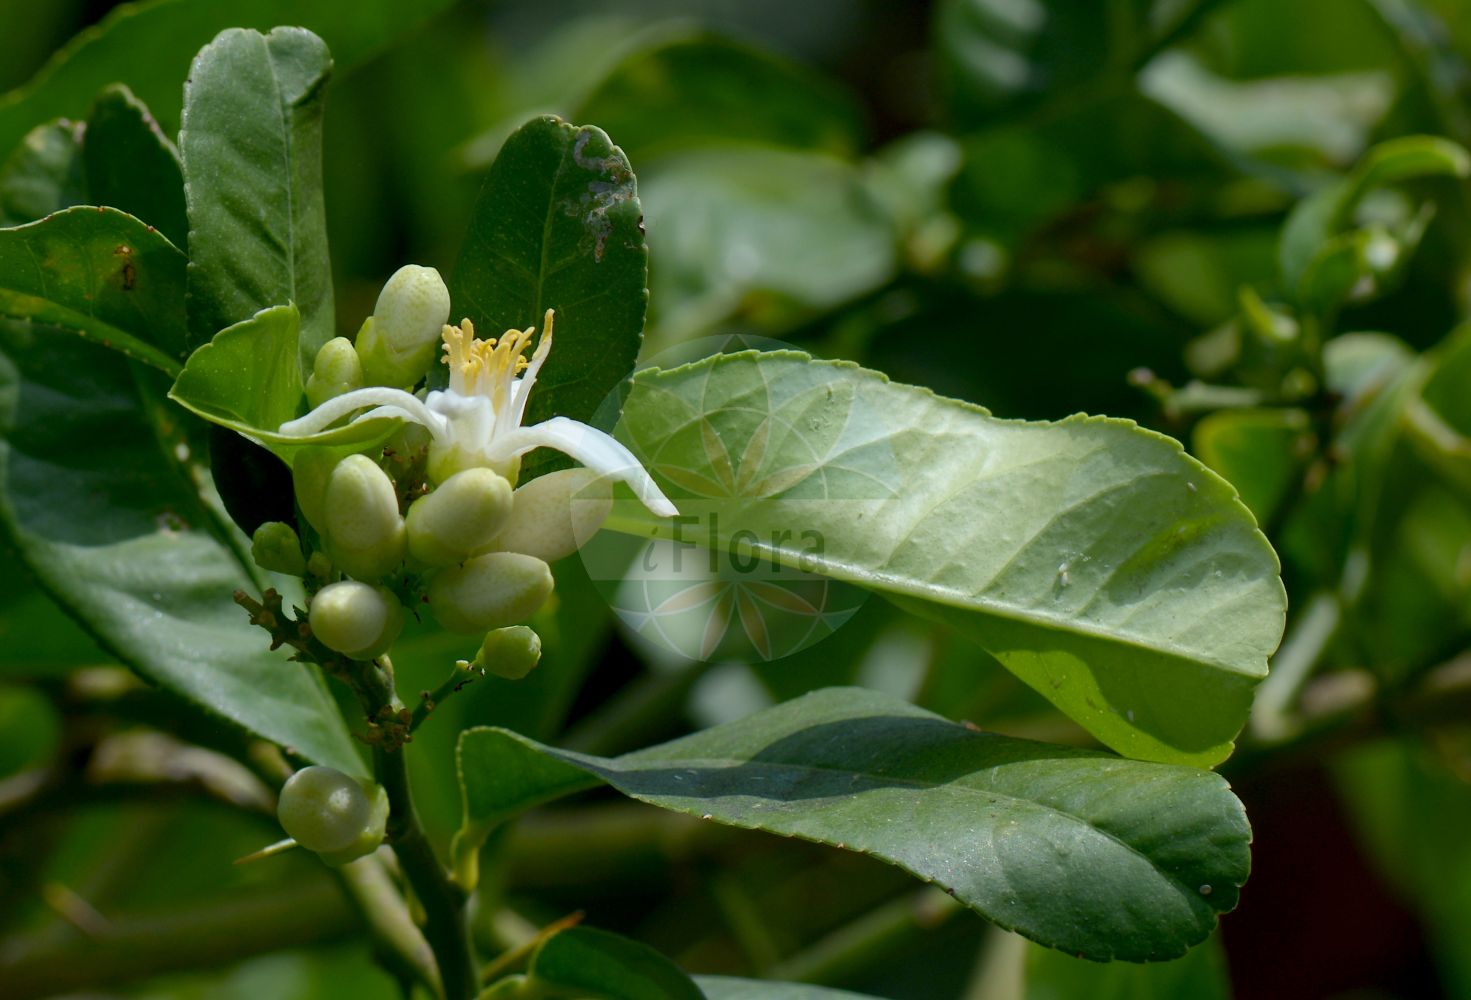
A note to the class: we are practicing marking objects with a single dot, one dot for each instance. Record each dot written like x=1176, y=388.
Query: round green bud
x=363, y=531
x=459, y=518
x=510, y=652
x=275, y=547
x=335, y=371
x=323, y=809
x=369, y=838
x=489, y=591
x=398, y=342
x=355, y=619
x=310, y=470
x=554, y=515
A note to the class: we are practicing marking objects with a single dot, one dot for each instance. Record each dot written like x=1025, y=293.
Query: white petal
x=338, y=407
x=591, y=447
x=527, y=382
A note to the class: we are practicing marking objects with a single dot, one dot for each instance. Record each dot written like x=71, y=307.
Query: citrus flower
x=476, y=422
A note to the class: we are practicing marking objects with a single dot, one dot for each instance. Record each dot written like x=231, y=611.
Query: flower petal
x=590, y=446
x=333, y=410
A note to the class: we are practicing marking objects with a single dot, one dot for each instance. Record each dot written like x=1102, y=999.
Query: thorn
x=270, y=851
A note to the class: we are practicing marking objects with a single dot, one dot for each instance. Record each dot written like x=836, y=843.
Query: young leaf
x=1079, y=850
x=102, y=275
x=252, y=150
x=559, y=226
x=247, y=379
x=1307, y=237
x=1097, y=561
x=131, y=165
x=96, y=496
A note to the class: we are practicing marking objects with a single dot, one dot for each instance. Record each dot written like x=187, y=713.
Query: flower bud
x=511, y=652
x=322, y=808
x=554, y=515
x=398, y=342
x=310, y=470
x=275, y=547
x=355, y=619
x=458, y=518
x=332, y=813
x=336, y=370
x=363, y=531
x=369, y=838
x=489, y=591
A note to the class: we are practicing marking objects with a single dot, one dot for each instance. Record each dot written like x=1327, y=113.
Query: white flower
x=476, y=422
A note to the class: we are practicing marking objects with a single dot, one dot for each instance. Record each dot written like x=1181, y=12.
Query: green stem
x=201, y=936
x=445, y=926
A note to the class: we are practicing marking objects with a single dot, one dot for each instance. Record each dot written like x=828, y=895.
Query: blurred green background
x=1040, y=206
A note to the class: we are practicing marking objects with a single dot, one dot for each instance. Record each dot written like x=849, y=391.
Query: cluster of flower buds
x=385, y=531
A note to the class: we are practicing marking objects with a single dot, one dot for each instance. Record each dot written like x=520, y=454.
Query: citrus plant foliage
x=186, y=414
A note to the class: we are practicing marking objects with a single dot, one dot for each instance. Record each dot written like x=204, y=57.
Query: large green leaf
x=97, y=494
x=1083, y=851
x=131, y=165
x=1054, y=975
x=559, y=226
x=696, y=87
x=1109, y=570
x=252, y=149
x=100, y=274
x=148, y=46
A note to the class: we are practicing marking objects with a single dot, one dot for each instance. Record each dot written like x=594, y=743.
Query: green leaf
x=247, y=379
x=1080, y=850
x=102, y=275
x=696, y=88
x=730, y=988
x=559, y=226
x=1260, y=452
x=590, y=962
x=148, y=47
x=131, y=165
x=252, y=150
x=1113, y=573
x=43, y=174
x=100, y=501
x=1438, y=418
x=772, y=234
x=1307, y=236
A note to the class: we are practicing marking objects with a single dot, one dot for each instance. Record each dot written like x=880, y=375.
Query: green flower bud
x=489, y=591
x=335, y=371
x=355, y=619
x=554, y=515
x=511, y=652
x=398, y=342
x=332, y=813
x=275, y=547
x=369, y=838
x=363, y=531
x=459, y=518
x=310, y=470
